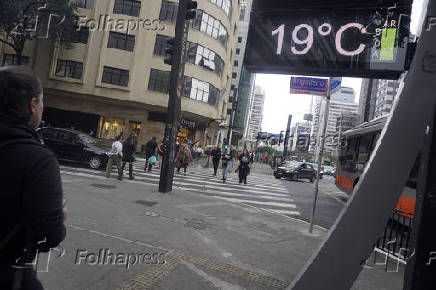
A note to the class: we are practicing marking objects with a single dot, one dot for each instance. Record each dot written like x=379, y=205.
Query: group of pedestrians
x=120, y=154
x=245, y=159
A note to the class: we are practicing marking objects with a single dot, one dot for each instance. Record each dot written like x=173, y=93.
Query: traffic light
x=190, y=9
x=169, y=51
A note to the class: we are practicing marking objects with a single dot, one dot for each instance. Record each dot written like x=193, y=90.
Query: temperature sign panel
x=366, y=42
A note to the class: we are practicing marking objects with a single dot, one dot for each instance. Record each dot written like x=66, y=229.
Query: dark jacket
x=31, y=196
x=150, y=148
x=129, y=149
x=216, y=155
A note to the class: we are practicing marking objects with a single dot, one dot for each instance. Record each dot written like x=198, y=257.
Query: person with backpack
x=115, y=155
x=129, y=149
x=226, y=159
x=244, y=166
x=150, y=150
x=216, y=156
x=32, y=210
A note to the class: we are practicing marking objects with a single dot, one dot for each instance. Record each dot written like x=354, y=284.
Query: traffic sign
x=314, y=86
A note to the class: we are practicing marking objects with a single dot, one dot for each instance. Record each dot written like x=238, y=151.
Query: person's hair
x=18, y=86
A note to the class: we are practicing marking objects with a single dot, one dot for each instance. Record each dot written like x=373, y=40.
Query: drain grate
x=196, y=224
x=104, y=186
x=145, y=202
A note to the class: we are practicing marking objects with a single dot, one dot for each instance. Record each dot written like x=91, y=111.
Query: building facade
x=386, y=92
x=342, y=102
x=256, y=112
x=113, y=78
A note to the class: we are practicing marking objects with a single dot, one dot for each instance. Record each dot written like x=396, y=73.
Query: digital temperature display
x=365, y=42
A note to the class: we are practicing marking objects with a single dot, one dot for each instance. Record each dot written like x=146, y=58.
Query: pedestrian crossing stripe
x=272, y=199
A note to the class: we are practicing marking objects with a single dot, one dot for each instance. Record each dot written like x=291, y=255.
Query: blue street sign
x=313, y=86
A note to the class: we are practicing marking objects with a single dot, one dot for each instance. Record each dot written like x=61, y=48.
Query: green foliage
x=23, y=20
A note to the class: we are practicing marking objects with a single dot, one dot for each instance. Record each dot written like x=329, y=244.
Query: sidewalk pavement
x=208, y=243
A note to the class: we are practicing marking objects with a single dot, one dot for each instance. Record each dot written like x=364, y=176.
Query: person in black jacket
x=31, y=207
x=129, y=149
x=216, y=156
x=150, y=150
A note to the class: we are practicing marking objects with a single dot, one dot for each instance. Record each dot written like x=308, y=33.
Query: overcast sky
x=279, y=103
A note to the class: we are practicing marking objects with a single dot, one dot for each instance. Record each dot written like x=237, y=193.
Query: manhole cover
x=104, y=186
x=145, y=202
x=196, y=224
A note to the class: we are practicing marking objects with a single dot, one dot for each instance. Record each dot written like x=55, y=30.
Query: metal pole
x=174, y=100
x=232, y=116
x=321, y=152
x=288, y=131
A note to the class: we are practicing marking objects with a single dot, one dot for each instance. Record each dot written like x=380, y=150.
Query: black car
x=73, y=145
x=295, y=171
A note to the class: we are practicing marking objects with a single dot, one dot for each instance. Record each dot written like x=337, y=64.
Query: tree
x=23, y=20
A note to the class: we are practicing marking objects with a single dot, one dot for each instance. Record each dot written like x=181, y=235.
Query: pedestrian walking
x=244, y=166
x=251, y=157
x=32, y=211
x=216, y=156
x=115, y=155
x=184, y=157
x=129, y=149
x=199, y=152
x=226, y=159
x=150, y=150
x=160, y=152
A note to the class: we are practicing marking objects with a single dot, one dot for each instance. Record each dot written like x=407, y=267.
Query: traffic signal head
x=190, y=9
x=169, y=51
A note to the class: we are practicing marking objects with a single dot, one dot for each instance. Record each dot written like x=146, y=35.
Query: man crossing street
x=216, y=156
x=150, y=150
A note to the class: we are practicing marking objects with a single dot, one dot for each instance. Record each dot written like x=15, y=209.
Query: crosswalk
x=262, y=191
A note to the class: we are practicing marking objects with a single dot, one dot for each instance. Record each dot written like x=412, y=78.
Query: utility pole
x=176, y=51
x=320, y=154
x=285, y=144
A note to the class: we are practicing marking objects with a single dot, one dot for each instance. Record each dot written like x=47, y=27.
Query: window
x=121, y=41
x=64, y=136
x=127, y=7
x=160, y=44
x=238, y=51
x=225, y=5
x=87, y=4
x=159, y=81
x=239, y=39
x=80, y=35
x=232, y=87
x=12, y=59
x=69, y=69
x=234, y=75
x=235, y=63
x=210, y=26
x=200, y=91
x=168, y=11
x=115, y=76
x=242, y=14
x=202, y=56
x=47, y=133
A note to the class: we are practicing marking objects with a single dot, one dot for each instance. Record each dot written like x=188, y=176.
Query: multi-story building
x=256, y=112
x=113, y=78
x=345, y=122
x=386, y=92
x=342, y=102
x=242, y=83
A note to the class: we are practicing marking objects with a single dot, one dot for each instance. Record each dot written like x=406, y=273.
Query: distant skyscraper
x=386, y=92
x=256, y=113
x=342, y=102
x=367, y=100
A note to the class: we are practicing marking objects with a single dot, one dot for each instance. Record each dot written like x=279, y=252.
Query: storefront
x=188, y=130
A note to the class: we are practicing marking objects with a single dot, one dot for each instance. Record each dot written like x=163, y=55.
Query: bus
x=356, y=147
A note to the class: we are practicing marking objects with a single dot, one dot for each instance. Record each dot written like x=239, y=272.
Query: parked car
x=73, y=145
x=330, y=170
x=315, y=166
x=295, y=171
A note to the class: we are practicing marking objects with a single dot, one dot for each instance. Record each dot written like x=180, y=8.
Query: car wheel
x=277, y=177
x=94, y=162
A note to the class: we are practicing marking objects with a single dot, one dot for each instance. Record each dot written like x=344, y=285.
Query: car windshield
x=87, y=139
